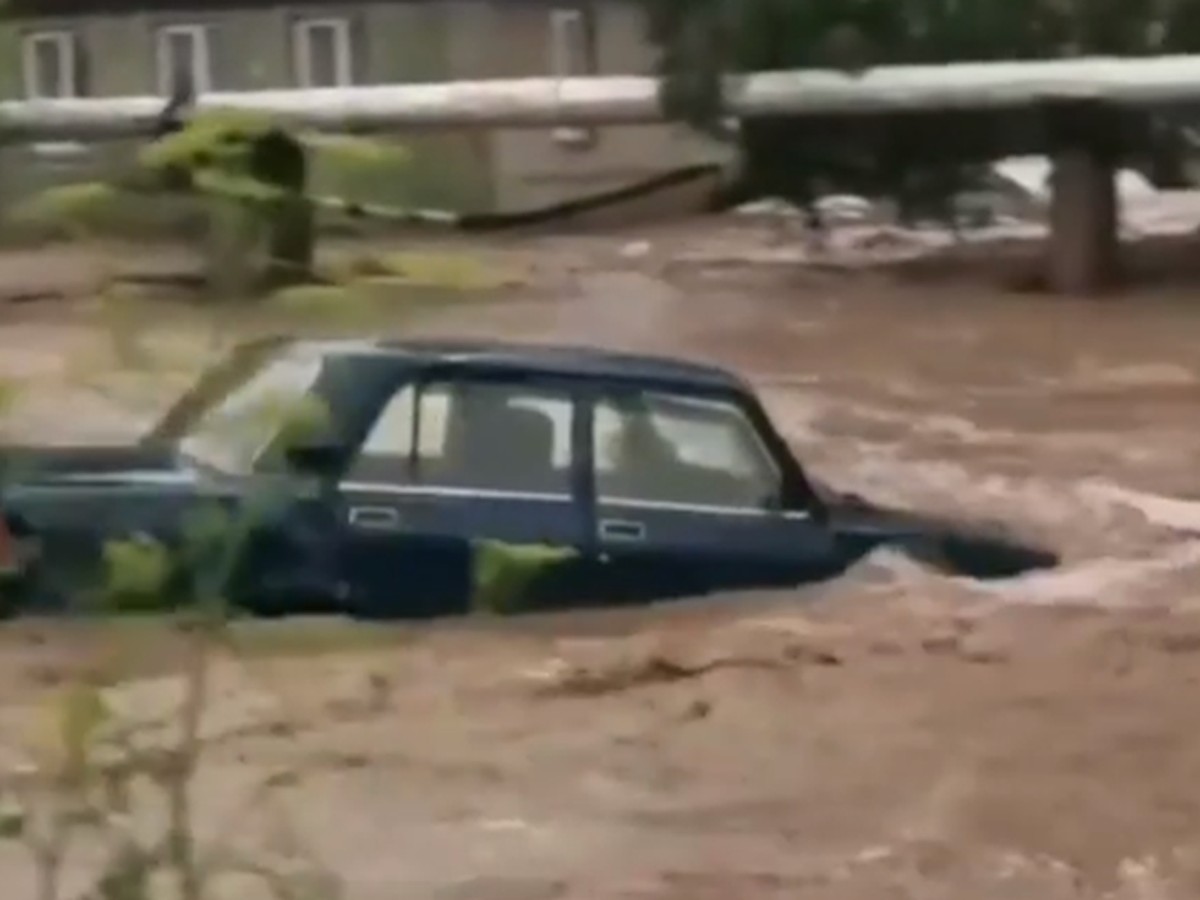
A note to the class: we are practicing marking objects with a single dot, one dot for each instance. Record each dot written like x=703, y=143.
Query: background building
x=101, y=48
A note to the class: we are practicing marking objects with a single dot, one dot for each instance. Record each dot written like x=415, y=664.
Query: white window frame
x=562, y=21
x=68, y=63
x=343, y=64
x=201, y=58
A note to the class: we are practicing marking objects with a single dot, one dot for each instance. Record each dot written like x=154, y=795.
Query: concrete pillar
x=1085, y=139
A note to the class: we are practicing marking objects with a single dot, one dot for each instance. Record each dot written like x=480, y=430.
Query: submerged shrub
x=137, y=574
x=503, y=574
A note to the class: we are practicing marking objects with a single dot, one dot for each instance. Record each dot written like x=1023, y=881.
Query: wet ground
x=893, y=734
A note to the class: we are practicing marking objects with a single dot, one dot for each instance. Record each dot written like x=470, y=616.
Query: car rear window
x=237, y=426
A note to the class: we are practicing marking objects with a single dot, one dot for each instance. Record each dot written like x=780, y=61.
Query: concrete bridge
x=1079, y=99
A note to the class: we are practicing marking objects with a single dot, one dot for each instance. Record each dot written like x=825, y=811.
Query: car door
x=689, y=500
x=449, y=462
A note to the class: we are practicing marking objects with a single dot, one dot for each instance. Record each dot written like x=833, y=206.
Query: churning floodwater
x=1075, y=422
x=848, y=770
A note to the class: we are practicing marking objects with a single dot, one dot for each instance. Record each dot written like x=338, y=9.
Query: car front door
x=689, y=500
x=451, y=462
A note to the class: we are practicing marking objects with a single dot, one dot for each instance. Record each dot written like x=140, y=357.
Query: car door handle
x=375, y=518
x=622, y=530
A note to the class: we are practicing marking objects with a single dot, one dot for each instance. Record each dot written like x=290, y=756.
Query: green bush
x=503, y=574
x=137, y=574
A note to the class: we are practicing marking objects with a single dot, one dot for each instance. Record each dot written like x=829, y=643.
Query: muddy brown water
x=892, y=734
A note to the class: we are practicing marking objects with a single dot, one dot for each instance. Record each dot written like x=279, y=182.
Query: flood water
x=1074, y=422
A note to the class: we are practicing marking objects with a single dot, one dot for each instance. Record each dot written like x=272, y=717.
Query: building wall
x=534, y=167
x=397, y=42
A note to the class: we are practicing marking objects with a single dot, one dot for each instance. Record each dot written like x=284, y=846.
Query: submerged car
x=662, y=478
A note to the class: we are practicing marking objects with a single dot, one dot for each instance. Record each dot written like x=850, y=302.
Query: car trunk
x=965, y=549
x=30, y=463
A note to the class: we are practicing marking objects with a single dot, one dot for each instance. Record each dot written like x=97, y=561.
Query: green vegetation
x=245, y=177
x=93, y=778
x=91, y=771
x=250, y=180
x=137, y=574
x=504, y=574
x=72, y=210
x=94, y=781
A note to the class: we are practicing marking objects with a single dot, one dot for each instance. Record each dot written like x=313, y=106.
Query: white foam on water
x=1120, y=545
x=1105, y=581
x=1171, y=512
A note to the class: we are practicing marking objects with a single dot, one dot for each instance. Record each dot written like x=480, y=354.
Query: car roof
x=550, y=359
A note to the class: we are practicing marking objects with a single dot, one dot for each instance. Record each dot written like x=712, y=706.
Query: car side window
x=665, y=448
x=471, y=435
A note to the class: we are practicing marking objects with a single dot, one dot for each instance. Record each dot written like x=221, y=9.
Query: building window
x=322, y=53
x=572, y=42
x=50, y=60
x=573, y=54
x=183, y=60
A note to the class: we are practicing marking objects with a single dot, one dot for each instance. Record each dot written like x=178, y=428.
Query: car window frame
x=752, y=415
x=420, y=380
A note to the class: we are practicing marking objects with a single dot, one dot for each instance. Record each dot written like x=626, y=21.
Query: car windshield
x=228, y=425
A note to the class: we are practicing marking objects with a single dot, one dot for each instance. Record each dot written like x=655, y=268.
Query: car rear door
x=689, y=500
x=452, y=461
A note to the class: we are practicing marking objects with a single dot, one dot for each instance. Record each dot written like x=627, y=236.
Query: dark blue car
x=664, y=478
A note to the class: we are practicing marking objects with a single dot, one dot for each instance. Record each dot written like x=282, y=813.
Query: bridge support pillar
x=1084, y=248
